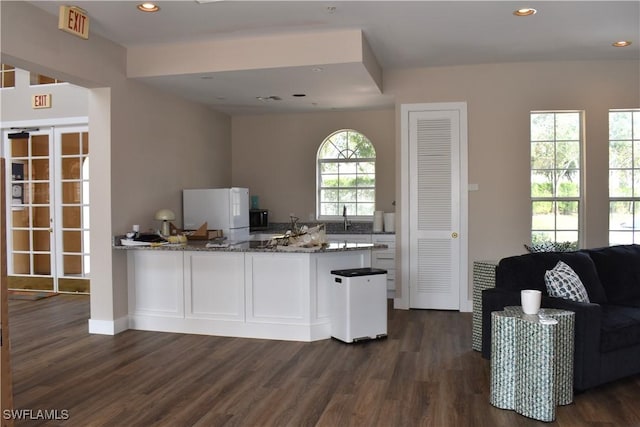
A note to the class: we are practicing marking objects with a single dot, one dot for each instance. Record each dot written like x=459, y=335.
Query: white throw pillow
x=563, y=282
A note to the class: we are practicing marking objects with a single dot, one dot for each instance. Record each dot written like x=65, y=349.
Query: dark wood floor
x=424, y=373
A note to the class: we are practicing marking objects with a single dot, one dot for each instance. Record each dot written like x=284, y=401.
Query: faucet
x=347, y=223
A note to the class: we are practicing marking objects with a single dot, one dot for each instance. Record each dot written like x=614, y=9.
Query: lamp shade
x=165, y=215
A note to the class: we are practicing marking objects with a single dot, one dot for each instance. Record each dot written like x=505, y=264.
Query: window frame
x=634, y=170
x=319, y=188
x=554, y=198
x=36, y=79
x=5, y=71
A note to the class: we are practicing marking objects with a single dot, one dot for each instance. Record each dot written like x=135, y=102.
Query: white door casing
x=434, y=207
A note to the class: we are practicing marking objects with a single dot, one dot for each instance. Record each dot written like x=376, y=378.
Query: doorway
x=48, y=208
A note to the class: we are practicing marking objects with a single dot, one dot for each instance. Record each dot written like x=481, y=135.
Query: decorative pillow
x=563, y=282
x=550, y=247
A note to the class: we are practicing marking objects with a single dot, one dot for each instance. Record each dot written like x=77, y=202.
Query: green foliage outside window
x=346, y=175
x=555, y=176
x=624, y=176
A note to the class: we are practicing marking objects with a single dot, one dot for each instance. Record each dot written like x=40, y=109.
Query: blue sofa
x=607, y=329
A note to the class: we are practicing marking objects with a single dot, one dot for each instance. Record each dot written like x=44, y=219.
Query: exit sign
x=41, y=101
x=74, y=20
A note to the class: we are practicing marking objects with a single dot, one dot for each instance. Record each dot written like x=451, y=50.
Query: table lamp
x=165, y=215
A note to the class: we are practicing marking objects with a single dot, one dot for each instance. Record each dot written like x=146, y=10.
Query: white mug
x=530, y=300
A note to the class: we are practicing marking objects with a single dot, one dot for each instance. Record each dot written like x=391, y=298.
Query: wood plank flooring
x=424, y=373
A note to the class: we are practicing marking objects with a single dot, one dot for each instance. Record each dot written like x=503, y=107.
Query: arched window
x=346, y=176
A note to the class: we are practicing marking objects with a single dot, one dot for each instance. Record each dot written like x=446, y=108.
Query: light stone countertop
x=252, y=246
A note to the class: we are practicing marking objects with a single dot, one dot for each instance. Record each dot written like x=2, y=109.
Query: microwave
x=258, y=219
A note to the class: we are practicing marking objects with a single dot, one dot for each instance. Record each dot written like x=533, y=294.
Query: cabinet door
x=386, y=259
x=157, y=283
x=214, y=285
x=277, y=288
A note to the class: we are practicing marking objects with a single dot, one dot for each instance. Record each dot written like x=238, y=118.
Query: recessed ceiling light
x=621, y=43
x=148, y=7
x=525, y=11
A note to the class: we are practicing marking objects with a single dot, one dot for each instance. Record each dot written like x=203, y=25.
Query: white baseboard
x=108, y=327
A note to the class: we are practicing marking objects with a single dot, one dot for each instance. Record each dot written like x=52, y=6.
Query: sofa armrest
x=588, y=324
x=494, y=299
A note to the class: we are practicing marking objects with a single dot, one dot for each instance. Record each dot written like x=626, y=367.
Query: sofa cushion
x=619, y=270
x=632, y=303
x=563, y=282
x=620, y=327
x=527, y=272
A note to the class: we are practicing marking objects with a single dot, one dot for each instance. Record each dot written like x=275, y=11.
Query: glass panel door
x=48, y=237
x=72, y=209
x=31, y=239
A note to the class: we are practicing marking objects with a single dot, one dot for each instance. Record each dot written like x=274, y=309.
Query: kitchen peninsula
x=244, y=290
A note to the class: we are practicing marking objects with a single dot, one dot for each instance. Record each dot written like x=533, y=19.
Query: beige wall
x=67, y=100
x=275, y=156
x=499, y=98
x=150, y=145
x=145, y=145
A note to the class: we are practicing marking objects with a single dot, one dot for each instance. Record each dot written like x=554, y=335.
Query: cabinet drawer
x=383, y=254
x=387, y=264
x=391, y=285
x=390, y=241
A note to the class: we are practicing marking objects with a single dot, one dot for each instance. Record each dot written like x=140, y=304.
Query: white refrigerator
x=225, y=209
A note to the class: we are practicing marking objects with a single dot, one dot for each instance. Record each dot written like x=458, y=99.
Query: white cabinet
x=214, y=285
x=274, y=288
x=158, y=283
x=386, y=259
x=273, y=295
x=380, y=258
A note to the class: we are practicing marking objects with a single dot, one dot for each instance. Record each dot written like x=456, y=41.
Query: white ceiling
x=402, y=34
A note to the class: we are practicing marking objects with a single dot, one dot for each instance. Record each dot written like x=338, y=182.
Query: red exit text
x=74, y=20
x=41, y=101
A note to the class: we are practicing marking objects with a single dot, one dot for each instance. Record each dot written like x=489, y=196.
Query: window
x=7, y=76
x=40, y=79
x=346, y=175
x=556, y=140
x=624, y=176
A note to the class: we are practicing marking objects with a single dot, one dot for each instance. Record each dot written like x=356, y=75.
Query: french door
x=48, y=208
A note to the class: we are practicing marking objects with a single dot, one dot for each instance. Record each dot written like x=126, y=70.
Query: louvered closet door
x=434, y=212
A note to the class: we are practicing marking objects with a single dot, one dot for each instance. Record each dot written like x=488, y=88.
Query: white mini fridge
x=225, y=209
x=359, y=304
